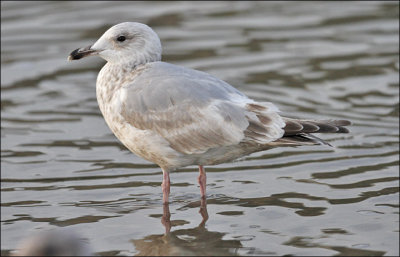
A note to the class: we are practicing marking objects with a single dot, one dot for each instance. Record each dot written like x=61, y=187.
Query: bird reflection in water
x=189, y=242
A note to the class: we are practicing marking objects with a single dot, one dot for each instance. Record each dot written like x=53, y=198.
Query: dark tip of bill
x=75, y=55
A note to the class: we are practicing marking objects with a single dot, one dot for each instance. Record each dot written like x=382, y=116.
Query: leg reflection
x=175, y=242
x=166, y=218
x=203, y=211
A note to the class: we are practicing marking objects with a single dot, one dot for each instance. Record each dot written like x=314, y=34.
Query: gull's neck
x=134, y=59
x=126, y=66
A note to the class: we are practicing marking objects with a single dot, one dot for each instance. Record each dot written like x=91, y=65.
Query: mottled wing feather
x=265, y=124
x=194, y=111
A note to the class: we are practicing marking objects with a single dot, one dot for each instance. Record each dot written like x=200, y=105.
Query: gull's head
x=129, y=42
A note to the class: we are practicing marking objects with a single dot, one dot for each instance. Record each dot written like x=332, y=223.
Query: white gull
x=175, y=116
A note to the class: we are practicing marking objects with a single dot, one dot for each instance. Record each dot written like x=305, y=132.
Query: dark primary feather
x=294, y=127
x=300, y=131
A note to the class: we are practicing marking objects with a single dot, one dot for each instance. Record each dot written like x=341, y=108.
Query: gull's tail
x=299, y=132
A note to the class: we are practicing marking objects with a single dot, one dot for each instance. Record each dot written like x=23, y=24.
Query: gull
x=175, y=116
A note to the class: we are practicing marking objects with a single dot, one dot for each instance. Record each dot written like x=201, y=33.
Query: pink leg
x=202, y=181
x=165, y=185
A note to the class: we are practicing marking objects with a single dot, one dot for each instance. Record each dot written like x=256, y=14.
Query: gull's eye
x=121, y=38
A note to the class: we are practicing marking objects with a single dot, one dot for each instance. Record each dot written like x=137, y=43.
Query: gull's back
x=160, y=85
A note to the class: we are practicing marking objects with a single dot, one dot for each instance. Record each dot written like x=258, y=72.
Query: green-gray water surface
x=62, y=167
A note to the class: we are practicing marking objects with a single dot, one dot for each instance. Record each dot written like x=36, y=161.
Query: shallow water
x=62, y=167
